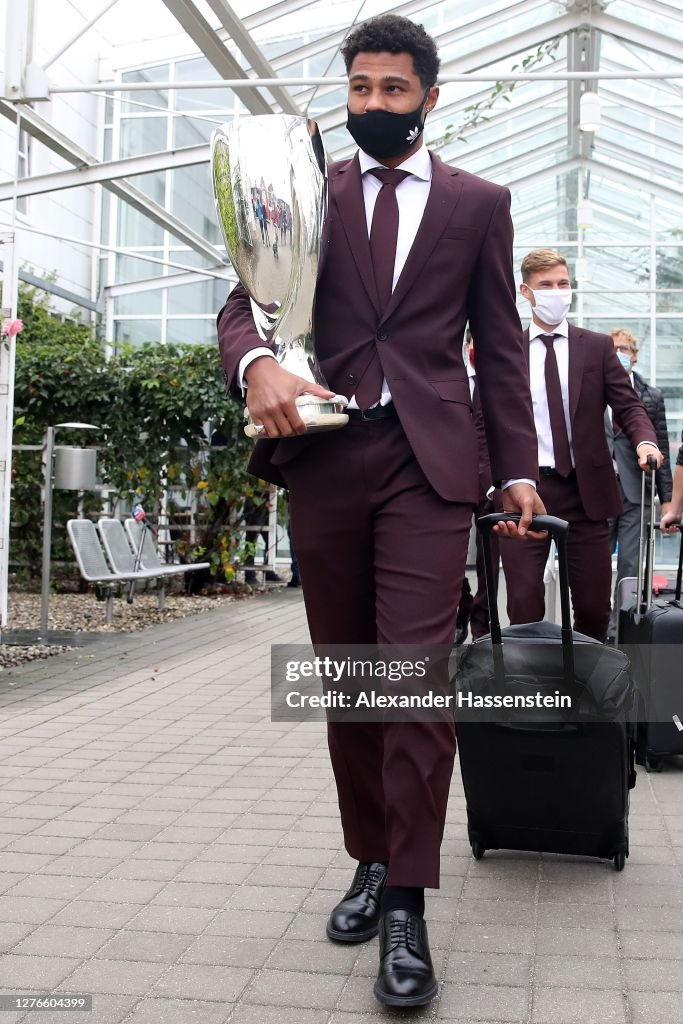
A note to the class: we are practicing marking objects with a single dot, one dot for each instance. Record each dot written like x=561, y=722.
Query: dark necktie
x=383, y=236
x=558, y=424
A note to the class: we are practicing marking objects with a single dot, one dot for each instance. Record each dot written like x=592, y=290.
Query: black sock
x=403, y=897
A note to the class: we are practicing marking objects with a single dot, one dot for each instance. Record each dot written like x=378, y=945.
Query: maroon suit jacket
x=597, y=379
x=459, y=269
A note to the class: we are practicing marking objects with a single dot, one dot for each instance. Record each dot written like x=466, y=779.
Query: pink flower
x=12, y=327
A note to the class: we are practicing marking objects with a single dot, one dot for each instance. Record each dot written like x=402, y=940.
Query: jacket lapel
x=444, y=194
x=346, y=191
x=576, y=358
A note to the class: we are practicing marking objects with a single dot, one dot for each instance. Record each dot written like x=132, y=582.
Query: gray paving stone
x=84, y=914
x=655, y=1007
x=577, y=972
x=576, y=942
x=510, y=969
x=110, y=890
x=64, y=940
x=11, y=933
x=116, y=977
x=52, y=887
x=654, y=975
x=245, y=1014
x=295, y=988
x=483, y=1003
x=201, y=981
x=179, y=920
x=29, y=909
x=492, y=938
x=229, y=951
x=33, y=973
x=147, y=870
x=578, y=1006
x=653, y=945
x=155, y=947
x=180, y=1011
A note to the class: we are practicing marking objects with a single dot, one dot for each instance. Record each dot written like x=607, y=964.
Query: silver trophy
x=270, y=189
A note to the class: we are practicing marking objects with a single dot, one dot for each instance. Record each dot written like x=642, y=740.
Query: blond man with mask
x=574, y=374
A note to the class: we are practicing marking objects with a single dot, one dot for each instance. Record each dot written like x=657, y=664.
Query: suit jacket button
x=350, y=379
x=382, y=336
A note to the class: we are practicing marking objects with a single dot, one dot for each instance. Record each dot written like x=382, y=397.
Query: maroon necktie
x=558, y=424
x=383, y=236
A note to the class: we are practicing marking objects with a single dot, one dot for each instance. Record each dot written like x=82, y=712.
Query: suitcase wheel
x=653, y=764
x=619, y=861
x=478, y=850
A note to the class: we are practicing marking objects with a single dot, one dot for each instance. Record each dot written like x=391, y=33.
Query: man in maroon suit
x=381, y=509
x=574, y=374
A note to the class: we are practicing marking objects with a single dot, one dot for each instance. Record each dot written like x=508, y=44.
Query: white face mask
x=625, y=360
x=552, y=304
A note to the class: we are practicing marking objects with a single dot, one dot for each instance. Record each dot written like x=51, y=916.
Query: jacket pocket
x=452, y=390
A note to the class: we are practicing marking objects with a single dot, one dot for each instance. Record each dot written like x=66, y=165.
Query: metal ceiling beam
x=215, y=51
x=659, y=43
x=542, y=32
x=236, y=30
x=626, y=102
x=46, y=133
x=630, y=158
x=652, y=140
x=106, y=171
x=660, y=9
x=150, y=284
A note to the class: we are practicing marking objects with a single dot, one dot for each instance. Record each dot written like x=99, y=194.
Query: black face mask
x=383, y=134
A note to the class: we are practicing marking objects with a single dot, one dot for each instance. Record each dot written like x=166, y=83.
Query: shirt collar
x=419, y=164
x=535, y=331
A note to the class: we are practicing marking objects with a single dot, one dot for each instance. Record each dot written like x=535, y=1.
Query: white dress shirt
x=411, y=195
x=539, y=397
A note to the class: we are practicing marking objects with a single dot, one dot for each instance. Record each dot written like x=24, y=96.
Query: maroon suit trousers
x=382, y=559
x=590, y=563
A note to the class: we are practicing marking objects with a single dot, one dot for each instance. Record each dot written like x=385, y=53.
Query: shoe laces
x=403, y=930
x=369, y=877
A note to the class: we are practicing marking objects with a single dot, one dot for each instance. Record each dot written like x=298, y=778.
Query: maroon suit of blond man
x=585, y=490
x=381, y=509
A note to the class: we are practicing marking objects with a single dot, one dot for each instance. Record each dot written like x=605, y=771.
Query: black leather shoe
x=406, y=976
x=294, y=582
x=356, y=917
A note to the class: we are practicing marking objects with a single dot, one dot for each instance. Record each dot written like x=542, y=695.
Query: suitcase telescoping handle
x=646, y=545
x=679, y=572
x=557, y=528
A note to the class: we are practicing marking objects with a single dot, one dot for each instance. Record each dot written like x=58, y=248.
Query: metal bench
x=94, y=568
x=122, y=559
x=149, y=557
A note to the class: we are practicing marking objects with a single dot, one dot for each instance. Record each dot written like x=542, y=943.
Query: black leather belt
x=551, y=471
x=378, y=412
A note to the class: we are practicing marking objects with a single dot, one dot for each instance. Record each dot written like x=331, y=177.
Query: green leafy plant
x=154, y=405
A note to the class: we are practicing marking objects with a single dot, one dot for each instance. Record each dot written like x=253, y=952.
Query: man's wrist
x=522, y=480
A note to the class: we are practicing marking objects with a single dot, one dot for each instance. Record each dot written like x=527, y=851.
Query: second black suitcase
x=650, y=631
x=548, y=782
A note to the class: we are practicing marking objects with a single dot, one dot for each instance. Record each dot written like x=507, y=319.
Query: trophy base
x=317, y=413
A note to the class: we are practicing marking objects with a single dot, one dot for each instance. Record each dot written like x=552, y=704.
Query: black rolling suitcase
x=650, y=631
x=557, y=780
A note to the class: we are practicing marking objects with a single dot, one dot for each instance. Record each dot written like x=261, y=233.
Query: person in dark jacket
x=672, y=518
x=625, y=528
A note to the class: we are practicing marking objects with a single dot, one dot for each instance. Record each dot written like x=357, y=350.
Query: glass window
x=192, y=200
x=137, y=332
x=192, y=332
x=154, y=97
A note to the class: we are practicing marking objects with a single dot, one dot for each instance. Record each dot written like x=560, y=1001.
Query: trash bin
x=75, y=469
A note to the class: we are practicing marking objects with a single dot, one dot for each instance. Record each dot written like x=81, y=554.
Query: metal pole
x=472, y=76
x=48, y=459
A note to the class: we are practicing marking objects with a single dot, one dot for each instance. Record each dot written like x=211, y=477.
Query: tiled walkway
x=168, y=849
